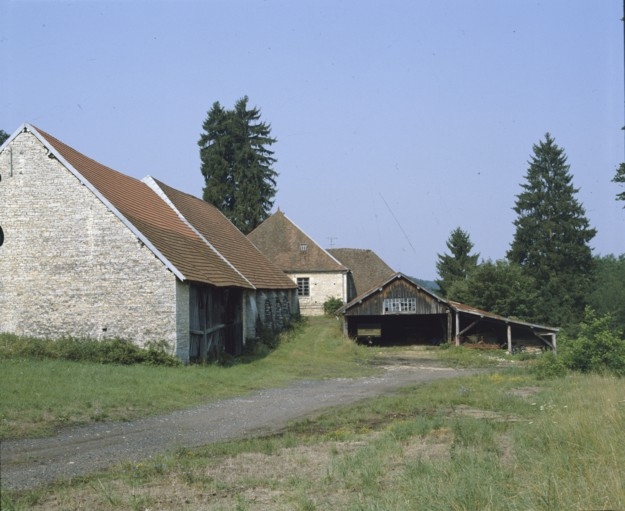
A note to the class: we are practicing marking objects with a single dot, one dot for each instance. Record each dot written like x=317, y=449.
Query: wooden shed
x=399, y=311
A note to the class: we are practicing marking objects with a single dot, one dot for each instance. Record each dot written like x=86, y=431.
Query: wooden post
x=555, y=345
x=457, y=328
x=509, y=339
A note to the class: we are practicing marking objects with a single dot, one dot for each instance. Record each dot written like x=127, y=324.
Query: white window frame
x=400, y=306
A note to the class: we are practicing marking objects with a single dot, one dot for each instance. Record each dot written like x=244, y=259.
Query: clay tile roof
x=290, y=248
x=368, y=270
x=158, y=224
x=227, y=240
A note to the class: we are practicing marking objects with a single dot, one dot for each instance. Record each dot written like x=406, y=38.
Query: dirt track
x=82, y=450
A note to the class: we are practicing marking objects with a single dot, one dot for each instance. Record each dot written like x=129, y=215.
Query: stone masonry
x=70, y=267
x=322, y=287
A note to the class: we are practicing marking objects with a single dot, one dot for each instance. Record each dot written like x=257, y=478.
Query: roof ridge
x=313, y=240
x=156, y=187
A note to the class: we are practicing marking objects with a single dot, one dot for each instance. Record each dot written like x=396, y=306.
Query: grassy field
x=41, y=395
x=500, y=440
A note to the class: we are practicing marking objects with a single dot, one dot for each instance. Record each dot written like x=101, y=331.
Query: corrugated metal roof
x=154, y=221
x=467, y=309
x=290, y=248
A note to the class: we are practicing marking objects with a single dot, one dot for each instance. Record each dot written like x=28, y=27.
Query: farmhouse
x=318, y=275
x=399, y=311
x=87, y=251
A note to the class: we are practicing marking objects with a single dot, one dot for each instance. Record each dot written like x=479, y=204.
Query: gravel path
x=80, y=450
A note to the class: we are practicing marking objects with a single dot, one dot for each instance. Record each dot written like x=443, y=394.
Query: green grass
x=39, y=395
x=502, y=440
x=505, y=439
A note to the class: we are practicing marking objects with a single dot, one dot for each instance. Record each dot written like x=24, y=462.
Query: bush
x=331, y=305
x=109, y=351
x=598, y=348
x=550, y=366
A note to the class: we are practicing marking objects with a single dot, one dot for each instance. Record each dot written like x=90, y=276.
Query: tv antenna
x=332, y=238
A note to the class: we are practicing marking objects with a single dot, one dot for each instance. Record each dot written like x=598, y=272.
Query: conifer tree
x=3, y=136
x=619, y=177
x=459, y=264
x=551, y=242
x=237, y=164
x=500, y=287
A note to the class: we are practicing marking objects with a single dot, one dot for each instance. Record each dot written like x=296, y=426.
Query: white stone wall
x=322, y=287
x=183, y=321
x=69, y=266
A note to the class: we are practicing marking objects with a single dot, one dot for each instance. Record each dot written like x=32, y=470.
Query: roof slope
x=150, y=217
x=368, y=270
x=231, y=243
x=283, y=243
x=468, y=309
x=453, y=306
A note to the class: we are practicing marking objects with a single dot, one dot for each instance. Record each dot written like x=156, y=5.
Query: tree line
x=549, y=275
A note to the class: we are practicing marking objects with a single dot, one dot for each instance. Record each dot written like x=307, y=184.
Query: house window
x=303, y=286
x=303, y=247
x=400, y=305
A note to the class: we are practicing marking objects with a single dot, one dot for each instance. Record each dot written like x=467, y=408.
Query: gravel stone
x=82, y=450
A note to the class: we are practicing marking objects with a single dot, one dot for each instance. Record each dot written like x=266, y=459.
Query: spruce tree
x=551, y=242
x=457, y=266
x=237, y=164
x=619, y=178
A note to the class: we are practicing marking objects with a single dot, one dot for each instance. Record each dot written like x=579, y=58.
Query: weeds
x=512, y=438
x=559, y=448
x=108, y=351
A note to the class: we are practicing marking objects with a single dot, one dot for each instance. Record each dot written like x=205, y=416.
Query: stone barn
x=87, y=251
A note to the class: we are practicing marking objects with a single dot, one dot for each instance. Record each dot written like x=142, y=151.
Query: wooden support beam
x=551, y=343
x=208, y=330
x=509, y=339
x=470, y=326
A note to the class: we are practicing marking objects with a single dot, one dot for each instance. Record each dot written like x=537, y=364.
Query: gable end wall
x=322, y=287
x=68, y=265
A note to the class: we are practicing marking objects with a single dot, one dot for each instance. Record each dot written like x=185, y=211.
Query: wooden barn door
x=216, y=322
x=233, y=319
x=205, y=323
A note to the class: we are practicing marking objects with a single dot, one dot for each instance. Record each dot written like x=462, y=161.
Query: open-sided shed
x=399, y=311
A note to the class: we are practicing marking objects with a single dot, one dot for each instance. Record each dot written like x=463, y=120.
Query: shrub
x=157, y=354
x=550, y=366
x=598, y=347
x=109, y=351
x=331, y=305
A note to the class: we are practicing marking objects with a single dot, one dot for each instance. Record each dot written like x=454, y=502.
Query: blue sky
x=396, y=121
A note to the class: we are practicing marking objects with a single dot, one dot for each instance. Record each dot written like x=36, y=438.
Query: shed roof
x=468, y=309
x=452, y=305
x=144, y=210
x=368, y=269
x=290, y=248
